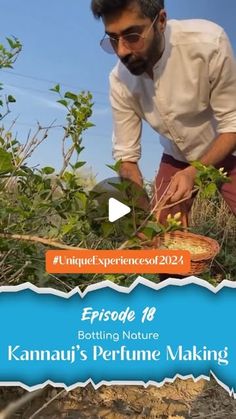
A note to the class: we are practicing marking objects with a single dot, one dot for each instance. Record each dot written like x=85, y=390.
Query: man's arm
x=222, y=79
x=182, y=183
x=127, y=124
x=130, y=170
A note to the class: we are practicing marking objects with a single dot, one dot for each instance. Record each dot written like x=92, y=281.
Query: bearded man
x=180, y=77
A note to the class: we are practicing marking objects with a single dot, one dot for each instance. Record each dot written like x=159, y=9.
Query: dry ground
x=182, y=399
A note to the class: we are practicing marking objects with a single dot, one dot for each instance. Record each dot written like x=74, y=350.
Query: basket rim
x=213, y=245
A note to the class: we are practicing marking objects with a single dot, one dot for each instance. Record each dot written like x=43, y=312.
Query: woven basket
x=199, y=262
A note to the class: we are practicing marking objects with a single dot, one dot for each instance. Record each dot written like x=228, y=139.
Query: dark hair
x=149, y=8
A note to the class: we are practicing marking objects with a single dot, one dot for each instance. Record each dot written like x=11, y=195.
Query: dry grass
x=214, y=219
x=214, y=215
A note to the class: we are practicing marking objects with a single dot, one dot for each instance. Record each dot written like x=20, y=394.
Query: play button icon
x=113, y=211
x=116, y=210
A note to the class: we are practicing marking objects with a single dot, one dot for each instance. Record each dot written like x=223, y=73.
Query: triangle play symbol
x=116, y=210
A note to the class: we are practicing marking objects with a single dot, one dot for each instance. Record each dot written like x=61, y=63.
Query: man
x=179, y=76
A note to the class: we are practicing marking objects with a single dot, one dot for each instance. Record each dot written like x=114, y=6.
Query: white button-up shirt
x=190, y=100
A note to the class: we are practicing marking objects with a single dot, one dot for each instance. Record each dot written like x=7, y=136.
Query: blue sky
x=61, y=45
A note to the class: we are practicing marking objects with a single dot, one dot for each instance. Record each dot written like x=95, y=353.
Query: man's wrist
x=191, y=171
x=130, y=170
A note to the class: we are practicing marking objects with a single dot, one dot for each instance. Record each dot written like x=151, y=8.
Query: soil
x=182, y=399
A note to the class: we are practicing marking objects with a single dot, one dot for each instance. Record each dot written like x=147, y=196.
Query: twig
x=66, y=154
x=16, y=405
x=63, y=283
x=46, y=404
x=181, y=200
x=5, y=257
x=29, y=148
x=160, y=204
x=211, y=415
x=45, y=241
x=19, y=272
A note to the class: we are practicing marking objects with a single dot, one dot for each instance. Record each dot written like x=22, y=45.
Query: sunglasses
x=132, y=41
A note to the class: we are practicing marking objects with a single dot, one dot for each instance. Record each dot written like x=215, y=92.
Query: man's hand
x=181, y=184
x=130, y=170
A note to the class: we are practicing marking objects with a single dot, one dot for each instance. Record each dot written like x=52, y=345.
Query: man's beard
x=139, y=65
x=136, y=65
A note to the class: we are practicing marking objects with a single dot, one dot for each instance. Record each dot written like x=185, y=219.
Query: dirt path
x=181, y=400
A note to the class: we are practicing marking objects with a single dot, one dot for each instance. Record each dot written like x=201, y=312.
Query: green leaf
x=67, y=228
x=148, y=232
x=70, y=95
x=79, y=164
x=107, y=228
x=82, y=199
x=154, y=226
x=48, y=170
x=63, y=102
x=210, y=190
x=5, y=162
x=198, y=165
x=56, y=88
x=133, y=243
x=11, y=42
x=115, y=167
x=78, y=148
x=89, y=125
x=11, y=99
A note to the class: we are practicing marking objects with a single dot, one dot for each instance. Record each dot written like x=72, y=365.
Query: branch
x=46, y=404
x=14, y=406
x=47, y=242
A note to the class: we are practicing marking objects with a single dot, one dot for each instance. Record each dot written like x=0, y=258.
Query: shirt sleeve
x=127, y=125
x=222, y=68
